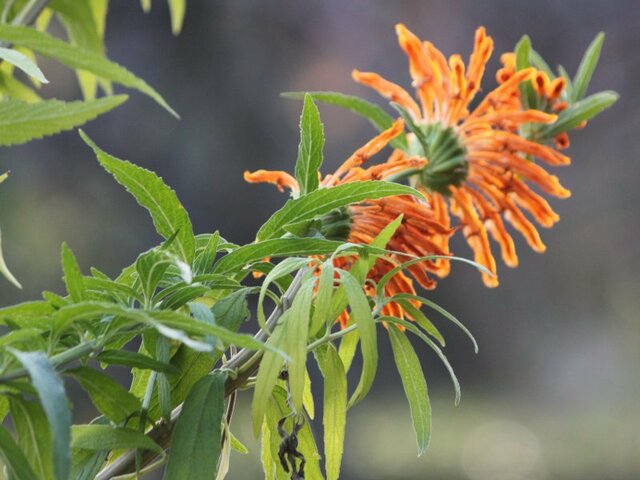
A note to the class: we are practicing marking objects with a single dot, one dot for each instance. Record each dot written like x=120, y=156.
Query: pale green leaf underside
x=22, y=62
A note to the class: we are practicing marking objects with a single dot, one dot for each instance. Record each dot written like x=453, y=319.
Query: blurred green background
x=552, y=393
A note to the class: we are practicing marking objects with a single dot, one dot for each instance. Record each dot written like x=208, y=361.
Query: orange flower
x=476, y=160
x=420, y=234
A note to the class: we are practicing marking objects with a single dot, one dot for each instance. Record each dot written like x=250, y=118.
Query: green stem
x=330, y=337
x=63, y=358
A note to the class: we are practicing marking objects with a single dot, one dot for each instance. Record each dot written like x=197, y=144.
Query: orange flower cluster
x=473, y=163
x=499, y=170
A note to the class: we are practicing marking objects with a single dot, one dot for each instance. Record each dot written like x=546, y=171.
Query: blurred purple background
x=552, y=393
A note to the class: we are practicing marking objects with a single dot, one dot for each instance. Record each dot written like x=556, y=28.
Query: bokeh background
x=553, y=393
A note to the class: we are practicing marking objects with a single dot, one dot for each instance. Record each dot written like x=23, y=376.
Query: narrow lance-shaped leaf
x=361, y=314
x=277, y=247
x=523, y=60
x=106, y=437
x=295, y=345
x=322, y=301
x=579, y=112
x=415, y=386
x=84, y=23
x=267, y=376
x=108, y=396
x=78, y=58
x=13, y=458
x=34, y=435
x=372, y=112
x=325, y=200
x=168, y=214
x=196, y=437
x=54, y=402
x=282, y=269
x=21, y=122
x=72, y=275
x=177, y=8
x=334, y=409
x=23, y=62
x=310, y=148
x=410, y=326
x=133, y=360
x=587, y=67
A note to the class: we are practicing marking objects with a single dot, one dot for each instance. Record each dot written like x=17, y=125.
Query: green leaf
x=134, y=360
x=168, y=214
x=580, y=111
x=196, y=437
x=162, y=383
x=539, y=63
x=267, y=376
x=23, y=62
x=177, y=8
x=283, y=269
x=4, y=270
x=29, y=310
x=348, y=346
x=84, y=23
x=151, y=267
x=206, y=257
x=72, y=275
x=21, y=122
x=175, y=320
x=523, y=60
x=587, y=67
x=105, y=437
x=295, y=344
x=108, y=396
x=372, y=112
x=334, y=409
x=568, y=83
x=236, y=444
x=278, y=408
x=325, y=200
x=23, y=335
x=310, y=148
x=366, y=262
x=78, y=58
x=415, y=386
x=279, y=247
x=361, y=315
x=419, y=318
x=13, y=88
x=415, y=129
x=232, y=310
x=54, y=402
x=13, y=458
x=416, y=331
x=322, y=302
x=34, y=435
x=433, y=305
x=307, y=397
